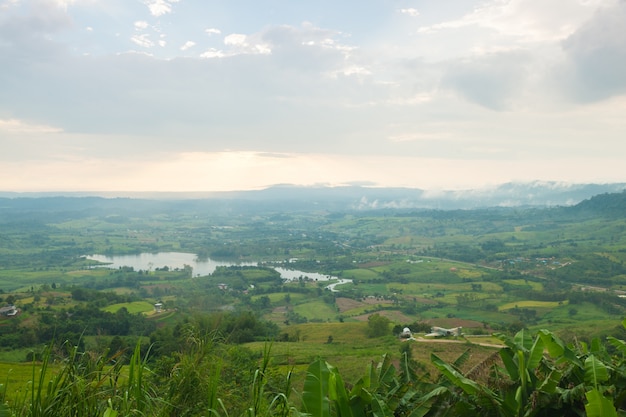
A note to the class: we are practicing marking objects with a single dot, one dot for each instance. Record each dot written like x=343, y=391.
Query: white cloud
x=235, y=39
x=243, y=44
x=410, y=12
x=187, y=45
x=212, y=53
x=160, y=7
x=142, y=40
x=525, y=20
x=141, y=25
x=64, y=3
x=303, y=90
x=349, y=70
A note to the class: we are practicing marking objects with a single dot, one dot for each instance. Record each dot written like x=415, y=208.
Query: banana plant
x=540, y=376
x=524, y=386
x=597, y=404
x=380, y=392
x=325, y=394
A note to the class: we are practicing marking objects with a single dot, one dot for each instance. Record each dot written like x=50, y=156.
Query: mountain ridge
x=354, y=197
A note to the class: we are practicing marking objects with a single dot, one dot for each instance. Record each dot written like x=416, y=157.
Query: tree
x=377, y=325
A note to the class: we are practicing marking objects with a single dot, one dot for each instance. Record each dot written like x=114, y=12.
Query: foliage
x=377, y=325
x=532, y=375
x=401, y=261
x=569, y=380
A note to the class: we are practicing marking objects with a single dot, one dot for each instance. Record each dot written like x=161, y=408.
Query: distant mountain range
x=298, y=198
x=536, y=194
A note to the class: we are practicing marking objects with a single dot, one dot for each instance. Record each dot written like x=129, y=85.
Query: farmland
x=488, y=271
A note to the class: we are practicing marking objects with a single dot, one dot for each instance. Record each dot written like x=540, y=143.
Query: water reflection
x=204, y=267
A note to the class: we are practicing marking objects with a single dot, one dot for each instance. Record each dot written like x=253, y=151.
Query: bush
x=377, y=325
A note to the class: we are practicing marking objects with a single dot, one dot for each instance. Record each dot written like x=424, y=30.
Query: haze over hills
x=352, y=197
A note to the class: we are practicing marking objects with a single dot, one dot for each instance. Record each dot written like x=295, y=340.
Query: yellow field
x=469, y=273
x=421, y=289
x=530, y=304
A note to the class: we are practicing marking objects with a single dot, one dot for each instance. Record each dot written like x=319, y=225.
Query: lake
x=173, y=260
x=178, y=260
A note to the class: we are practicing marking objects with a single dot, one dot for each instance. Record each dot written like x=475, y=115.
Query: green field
x=133, y=307
x=316, y=310
x=490, y=270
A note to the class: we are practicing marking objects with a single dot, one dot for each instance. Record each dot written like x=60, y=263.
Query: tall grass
x=85, y=384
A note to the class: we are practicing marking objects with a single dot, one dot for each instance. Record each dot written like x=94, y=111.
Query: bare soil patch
x=345, y=304
x=372, y=301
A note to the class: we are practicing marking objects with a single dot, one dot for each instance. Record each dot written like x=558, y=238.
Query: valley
x=340, y=285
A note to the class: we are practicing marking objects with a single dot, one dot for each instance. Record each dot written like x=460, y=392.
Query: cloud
x=142, y=40
x=213, y=31
x=209, y=104
x=596, y=53
x=141, y=25
x=243, y=44
x=29, y=34
x=290, y=88
x=159, y=7
x=63, y=3
x=20, y=126
x=236, y=39
x=524, y=21
x=47, y=18
x=187, y=45
x=311, y=49
x=491, y=80
x=212, y=53
x=8, y=4
x=410, y=12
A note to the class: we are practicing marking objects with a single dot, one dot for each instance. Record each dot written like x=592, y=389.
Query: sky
x=216, y=95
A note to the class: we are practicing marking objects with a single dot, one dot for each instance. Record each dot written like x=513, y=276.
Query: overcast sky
x=207, y=95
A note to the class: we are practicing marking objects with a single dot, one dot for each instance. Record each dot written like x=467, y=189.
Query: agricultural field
x=485, y=271
x=133, y=307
